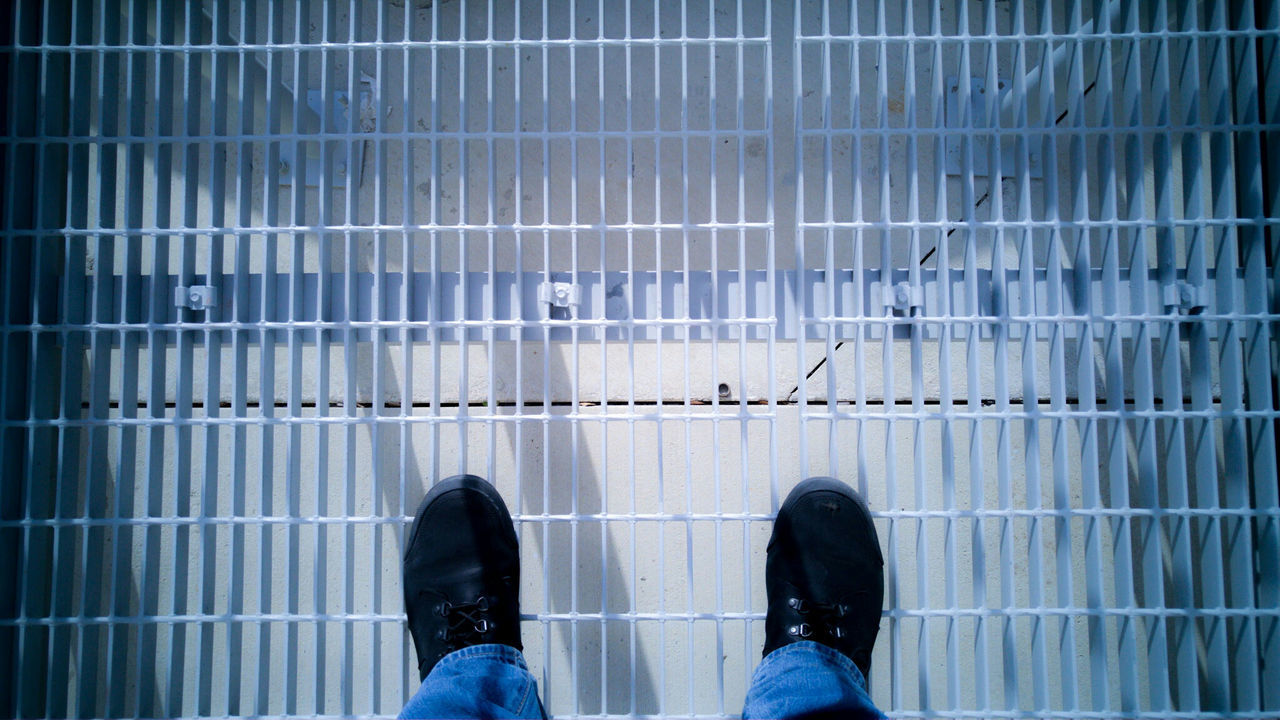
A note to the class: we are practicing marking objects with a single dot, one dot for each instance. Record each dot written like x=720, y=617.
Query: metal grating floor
x=270, y=267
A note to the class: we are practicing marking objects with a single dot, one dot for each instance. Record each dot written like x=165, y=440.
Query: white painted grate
x=270, y=268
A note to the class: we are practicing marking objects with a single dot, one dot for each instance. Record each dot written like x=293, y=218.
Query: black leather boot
x=824, y=573
x=461, y=571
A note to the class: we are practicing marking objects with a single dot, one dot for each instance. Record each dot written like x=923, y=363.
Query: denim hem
x=490, y=651
x=809, y=647
x=489, y=680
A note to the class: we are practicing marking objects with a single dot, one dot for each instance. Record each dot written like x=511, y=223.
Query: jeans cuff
x=808, y=649
x=490, y=651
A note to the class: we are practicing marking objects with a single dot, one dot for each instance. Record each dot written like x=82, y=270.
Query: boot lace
x=466, y=623
x=818, y=619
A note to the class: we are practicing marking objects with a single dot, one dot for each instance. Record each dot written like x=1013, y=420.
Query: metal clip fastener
x=559, y=295
x=1184, y=296
x=903, y=296
x=196, y=297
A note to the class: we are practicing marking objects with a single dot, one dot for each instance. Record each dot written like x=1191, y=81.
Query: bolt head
x=1185, y=294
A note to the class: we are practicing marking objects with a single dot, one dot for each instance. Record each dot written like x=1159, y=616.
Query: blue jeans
x=491, y=681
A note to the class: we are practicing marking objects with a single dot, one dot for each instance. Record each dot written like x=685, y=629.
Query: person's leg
x=808, y=680
x=824, y=577
x=461, y=596
x=481, y=681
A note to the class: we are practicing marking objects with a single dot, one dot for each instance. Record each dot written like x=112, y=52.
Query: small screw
x=284, y=168
x=723, y=390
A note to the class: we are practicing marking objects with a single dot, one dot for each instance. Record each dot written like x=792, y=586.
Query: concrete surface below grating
x=243, y=517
